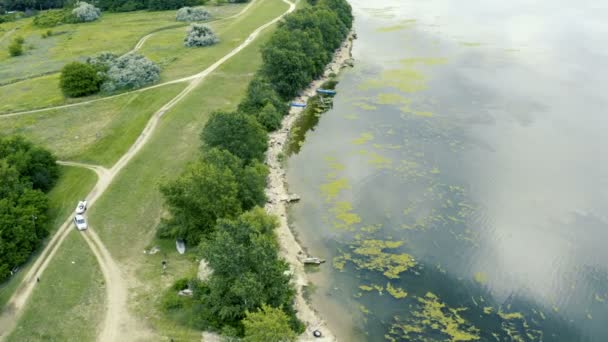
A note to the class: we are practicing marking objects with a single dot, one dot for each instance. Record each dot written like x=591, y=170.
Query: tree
x=268, y=324
x=202, y=194
x=159, y=5
x=247, y=271
x=192, y=14
x=251, y=178
x=259, y=93
x=130, y=71
x=34, y=165
x=269, y=117
x=342, y=9
x=200, y=35
x=236, y=132
x=25, y=172
x=85, y=12
x=79, y=79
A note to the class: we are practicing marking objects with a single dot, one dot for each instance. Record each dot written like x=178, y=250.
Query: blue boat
x=299, y=105
x=326, y=91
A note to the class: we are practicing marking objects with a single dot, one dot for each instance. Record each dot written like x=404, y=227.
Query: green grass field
x=33, y=93
x=72, y=186
x=167, y=48
x=97, y=133
x=127, y=215
x=114, y=32
x=75, y=42
x=68, y=303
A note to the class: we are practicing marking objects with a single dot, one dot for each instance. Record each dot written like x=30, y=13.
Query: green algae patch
x=331, y=190
x=391, y=99
x=334, y=164
x=488, y=310
x=376, y=159
x=344, y=216
x=375, y=255
x=510, y=315
x=470, y=44
x=365, y=106
x=402, y=25
x=406, y=80
x=363, y=138
x=434, y=317
x=366, y=288
x=392, y=28
x=423, y=61
x=372, y=287
x=480, y=277
x=340, y=262
x=363, y=309
x=396, y=292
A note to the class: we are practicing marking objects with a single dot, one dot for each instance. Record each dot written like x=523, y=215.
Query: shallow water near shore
x=459, y=186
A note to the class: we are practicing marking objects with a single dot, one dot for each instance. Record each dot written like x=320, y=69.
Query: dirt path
x=143, y=40
x=138, y=46
x=117, y=321
x=7, y=34
x=15, y=305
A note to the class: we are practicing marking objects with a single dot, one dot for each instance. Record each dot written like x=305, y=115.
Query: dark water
x=460, y=184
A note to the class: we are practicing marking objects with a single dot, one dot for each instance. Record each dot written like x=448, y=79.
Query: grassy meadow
x=31, y=81
x=127, y=215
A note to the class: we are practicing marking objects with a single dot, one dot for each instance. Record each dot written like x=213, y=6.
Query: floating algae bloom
x=373, y=255
x=345, y=218
x=363, y=138
x=396, y=292
x=332, y=189
x=435, y=317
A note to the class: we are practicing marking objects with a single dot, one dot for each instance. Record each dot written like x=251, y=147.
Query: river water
x=459, y=187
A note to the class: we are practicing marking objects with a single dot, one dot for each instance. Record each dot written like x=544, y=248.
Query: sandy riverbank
x=277, y=194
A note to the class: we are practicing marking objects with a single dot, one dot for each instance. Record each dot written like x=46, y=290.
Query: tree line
x=27, y=173
x=216, y=202
x=106, y=5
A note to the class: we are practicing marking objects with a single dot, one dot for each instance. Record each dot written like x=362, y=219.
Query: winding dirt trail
x=7, y=34
x=143, y=40
x=137, y=47
x=116, y=322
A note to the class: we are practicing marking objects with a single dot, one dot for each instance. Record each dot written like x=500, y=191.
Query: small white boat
x=313, y=261
x=181, y=246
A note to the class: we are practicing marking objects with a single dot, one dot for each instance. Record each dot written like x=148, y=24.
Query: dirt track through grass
x=117, y=314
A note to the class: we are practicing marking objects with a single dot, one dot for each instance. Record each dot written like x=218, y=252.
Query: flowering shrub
x=130, y=71
x=85, y=12
x=192, y=14
x=200, y=35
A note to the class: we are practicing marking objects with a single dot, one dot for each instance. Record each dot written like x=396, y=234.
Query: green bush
x=19, y=40
x=238, y=133
x=26, y=173
x=202, y=194
x=268, y=324
x=15, y=49
x=46, y=34
x=52, y=18
x=269, y=117
x=79, y=79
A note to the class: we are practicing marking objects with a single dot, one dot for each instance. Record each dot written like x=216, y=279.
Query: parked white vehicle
x=80, y=222
x=82, y=207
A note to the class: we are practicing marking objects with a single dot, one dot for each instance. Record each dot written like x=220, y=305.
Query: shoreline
x=276, y=191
